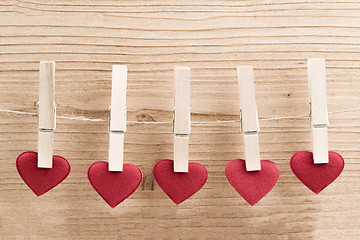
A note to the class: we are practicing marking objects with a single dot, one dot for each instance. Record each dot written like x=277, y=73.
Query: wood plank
x=86, y=38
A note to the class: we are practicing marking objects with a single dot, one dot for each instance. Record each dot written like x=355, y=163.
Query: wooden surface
x=86, y=38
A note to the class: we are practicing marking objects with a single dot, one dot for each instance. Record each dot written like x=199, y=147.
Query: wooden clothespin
x=117, y=118
x=46, y=114
x=318, y=109
x=182, y=124
x=249, y=118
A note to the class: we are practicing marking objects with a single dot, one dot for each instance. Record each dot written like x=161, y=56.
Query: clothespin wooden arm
x=249, y=118
x=46, y=114
x=117, y=118
x=318, y=109
x=182, y=122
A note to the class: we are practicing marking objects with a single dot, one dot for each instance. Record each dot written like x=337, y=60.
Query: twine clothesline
x=83, y=118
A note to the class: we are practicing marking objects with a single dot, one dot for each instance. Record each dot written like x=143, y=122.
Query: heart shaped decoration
x=41, y=180
x=252, y=185
x=177, y=185
x=114, y=187
x=316, y=176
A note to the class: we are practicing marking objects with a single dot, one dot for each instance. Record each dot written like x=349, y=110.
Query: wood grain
x=86, y=38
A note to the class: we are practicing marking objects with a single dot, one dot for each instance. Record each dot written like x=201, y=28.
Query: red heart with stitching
x=316, y=176
x=179, y=186
x=114, y=187
x=252, y=185
x=41, y=180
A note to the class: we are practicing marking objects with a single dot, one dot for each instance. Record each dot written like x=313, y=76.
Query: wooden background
x=86, y=38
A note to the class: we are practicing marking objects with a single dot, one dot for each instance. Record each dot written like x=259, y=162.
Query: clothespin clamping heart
x=318, y=169
x=43, y=171
x=251, y=178
x=178, y=178
x=115, y=181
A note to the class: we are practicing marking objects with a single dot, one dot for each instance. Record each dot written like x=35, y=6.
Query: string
x=83, y=118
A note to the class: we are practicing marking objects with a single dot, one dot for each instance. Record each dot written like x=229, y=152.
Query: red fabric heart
x=177, y=185
x=41, y=180
x=316, y=176
x=252, y=185
x=114, y=187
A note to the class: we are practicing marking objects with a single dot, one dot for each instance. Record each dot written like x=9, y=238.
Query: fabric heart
x=179, y=186
x=252, y=185
x=114, y=187
x=41, y=180
x=316, y=176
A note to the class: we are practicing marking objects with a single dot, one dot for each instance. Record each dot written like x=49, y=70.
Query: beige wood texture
x=86, y=38
x=249, y=118
x=46, y=114
x=182, y=118
x=117, y=124
x=319, y=115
